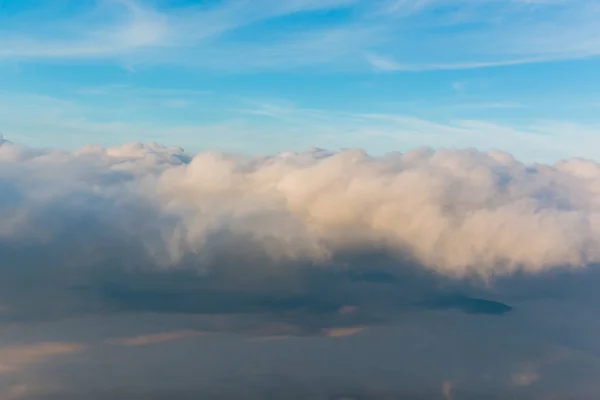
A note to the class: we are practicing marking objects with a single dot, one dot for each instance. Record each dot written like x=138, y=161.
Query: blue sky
x=263, y=75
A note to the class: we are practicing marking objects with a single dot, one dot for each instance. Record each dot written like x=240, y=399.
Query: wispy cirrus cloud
x=282, y=125
x=128, y=28
x=551, y=139
x=235, y=34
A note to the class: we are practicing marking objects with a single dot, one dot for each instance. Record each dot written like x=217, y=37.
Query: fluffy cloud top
x=459, y=212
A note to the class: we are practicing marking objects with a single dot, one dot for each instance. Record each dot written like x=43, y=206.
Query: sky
x=265, y=76
x=299, y=199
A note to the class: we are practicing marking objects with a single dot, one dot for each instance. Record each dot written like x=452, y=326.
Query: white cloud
x=458, y=212
x=383, y=63
x=97, y=34
x=129, y=30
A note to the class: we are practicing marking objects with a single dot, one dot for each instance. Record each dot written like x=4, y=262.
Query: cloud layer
x=316, y=240
x=459, y=213
x=460, y=270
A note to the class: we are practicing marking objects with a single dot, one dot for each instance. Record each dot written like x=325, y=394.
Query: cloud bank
x=457, y=212
x=131, y=260
x=288, y=243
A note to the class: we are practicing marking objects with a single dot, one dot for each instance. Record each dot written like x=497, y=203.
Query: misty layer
x=455, y=212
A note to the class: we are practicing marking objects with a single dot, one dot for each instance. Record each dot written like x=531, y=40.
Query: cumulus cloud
x=322, y=240
x=459, y=212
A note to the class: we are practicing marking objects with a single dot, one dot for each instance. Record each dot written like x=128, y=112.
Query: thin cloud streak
x=388, y=65
x=18, y=357
x=208, y=36
x=145, y=340
x=343, y=332
x=276, y=127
